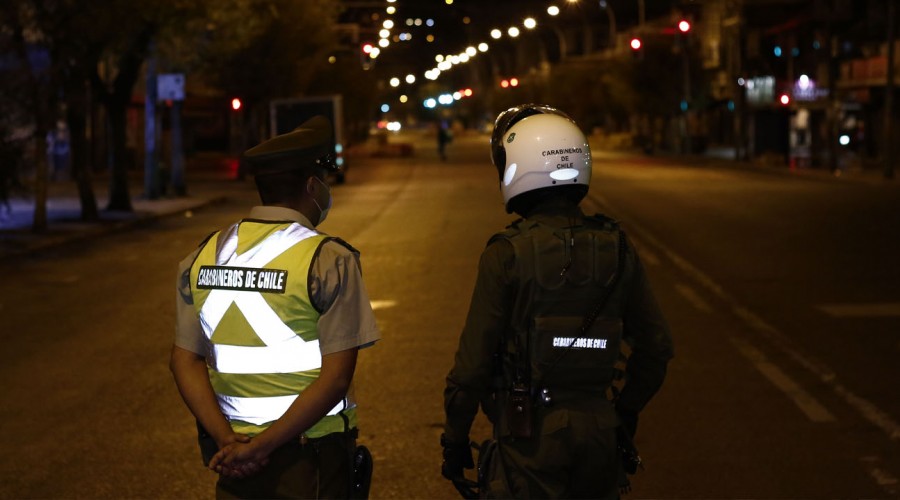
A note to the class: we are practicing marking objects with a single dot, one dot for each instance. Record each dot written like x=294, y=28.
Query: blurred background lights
x=845, y=140
x=513, y=31
x=395, y=82
x=483, y=47
x=410, y=78
x=496, y=34
x=553, y=10
x=388, y=24
x=471, y=51
x=530, y=23
x=385, y=108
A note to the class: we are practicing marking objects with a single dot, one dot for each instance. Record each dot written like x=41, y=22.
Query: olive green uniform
x=551, y=282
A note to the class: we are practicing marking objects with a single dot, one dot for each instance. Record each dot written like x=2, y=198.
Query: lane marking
x=779, y=340
x=807, y=404
x=382, y=304
x=873, y=310
x=693, y=297
x=647, y=256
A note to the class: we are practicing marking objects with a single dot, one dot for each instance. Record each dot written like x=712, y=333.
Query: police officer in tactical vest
x=558, y=296
x=271, y=314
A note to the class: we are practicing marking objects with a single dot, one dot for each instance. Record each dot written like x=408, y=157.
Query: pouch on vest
x=562, y=357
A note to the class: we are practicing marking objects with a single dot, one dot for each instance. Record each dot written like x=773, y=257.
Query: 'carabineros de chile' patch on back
x=244, y=279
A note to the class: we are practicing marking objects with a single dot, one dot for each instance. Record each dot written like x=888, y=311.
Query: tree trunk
x=119, y=197
x=116, y=102
x=81, y=170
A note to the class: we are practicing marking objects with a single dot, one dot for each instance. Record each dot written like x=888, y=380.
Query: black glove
x=458, y=456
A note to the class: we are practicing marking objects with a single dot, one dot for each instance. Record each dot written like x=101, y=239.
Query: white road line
x=647, y=256
x=883, y=478
x=864, y=407
x=873, y=310
x=382, y=304
x=693, y=297
x=807, y=404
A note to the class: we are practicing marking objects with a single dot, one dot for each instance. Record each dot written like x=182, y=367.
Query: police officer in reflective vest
x=270, y=316
x=557, y=295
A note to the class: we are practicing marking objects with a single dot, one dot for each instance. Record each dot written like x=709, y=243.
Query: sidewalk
x=208, y=178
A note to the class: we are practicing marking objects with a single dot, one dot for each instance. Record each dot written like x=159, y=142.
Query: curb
x=45, y=241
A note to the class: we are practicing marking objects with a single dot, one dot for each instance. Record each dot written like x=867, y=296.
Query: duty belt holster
x=362, y=473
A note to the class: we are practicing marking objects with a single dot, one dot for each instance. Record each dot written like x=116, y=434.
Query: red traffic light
x=784, y=99
x=635, y=44
x=684, y=26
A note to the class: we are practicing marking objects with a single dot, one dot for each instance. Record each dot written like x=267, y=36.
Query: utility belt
x=303, y=440
x=522, y=403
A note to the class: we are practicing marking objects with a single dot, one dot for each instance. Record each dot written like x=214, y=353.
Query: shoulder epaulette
x=511, y=230
x=342, y=243
x=606, y=221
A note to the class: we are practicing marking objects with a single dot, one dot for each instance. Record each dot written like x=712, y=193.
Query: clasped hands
x=239, y=457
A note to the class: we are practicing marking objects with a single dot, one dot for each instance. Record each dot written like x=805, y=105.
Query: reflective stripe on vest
x=284, y=352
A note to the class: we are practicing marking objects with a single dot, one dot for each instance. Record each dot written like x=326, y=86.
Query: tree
x=261, y=50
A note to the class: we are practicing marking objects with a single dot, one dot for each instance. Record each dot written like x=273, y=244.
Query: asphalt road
x=780, y=290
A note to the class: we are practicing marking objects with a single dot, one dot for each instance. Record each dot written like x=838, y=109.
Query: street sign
x=170, y=87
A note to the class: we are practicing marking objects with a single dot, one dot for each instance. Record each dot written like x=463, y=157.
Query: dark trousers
x=321, y=468
x=573, y=455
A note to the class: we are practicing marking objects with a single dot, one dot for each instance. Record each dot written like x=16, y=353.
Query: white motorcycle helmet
x=534, y=146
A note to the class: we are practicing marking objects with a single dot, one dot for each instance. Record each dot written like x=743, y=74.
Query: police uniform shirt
x=336, y=287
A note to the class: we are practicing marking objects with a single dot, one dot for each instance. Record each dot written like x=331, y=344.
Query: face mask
x=323, y=213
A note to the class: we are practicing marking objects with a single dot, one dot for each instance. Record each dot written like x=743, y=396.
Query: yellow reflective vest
x=251, y=292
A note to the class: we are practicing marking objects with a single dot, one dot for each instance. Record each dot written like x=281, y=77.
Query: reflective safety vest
x=251, y=291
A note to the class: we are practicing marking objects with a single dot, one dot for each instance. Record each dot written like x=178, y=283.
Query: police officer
x=271, y=313
x=556, y=294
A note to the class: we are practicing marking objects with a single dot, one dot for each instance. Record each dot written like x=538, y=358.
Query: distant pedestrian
x=58, y=150
x=557, y=293
x=271, y=314
x=6, y=177
x=444, y=137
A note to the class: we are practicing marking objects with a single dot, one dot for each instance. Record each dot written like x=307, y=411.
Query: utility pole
x=151, y=178
x=889, y=97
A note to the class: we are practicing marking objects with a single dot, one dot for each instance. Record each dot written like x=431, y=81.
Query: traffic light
x=367, y=55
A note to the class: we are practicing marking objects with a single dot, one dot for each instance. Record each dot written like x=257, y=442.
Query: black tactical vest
x=561, y=277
